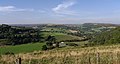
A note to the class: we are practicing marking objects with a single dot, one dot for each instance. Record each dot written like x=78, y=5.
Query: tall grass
x=88, y=55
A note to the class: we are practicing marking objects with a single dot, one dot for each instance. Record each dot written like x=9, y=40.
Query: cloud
x=63, y=8
x=13, y=9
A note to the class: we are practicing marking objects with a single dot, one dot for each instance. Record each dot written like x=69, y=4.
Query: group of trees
x=10, y=35
x=50, y=40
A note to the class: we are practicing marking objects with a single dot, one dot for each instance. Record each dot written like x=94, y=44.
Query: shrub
x=44, y=47
x=9, y=53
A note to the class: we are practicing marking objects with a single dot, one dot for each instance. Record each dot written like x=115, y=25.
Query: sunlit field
x=69, y=55
x=24, y=48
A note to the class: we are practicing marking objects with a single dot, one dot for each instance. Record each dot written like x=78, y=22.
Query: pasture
x=61, y=36
x=24, y=48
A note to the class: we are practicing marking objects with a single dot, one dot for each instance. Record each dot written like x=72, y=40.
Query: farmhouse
x=62, y=44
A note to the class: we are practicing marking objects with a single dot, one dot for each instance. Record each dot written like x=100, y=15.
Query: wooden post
x=117, y=58
x=89, y=62
x=98, y=58
x=18, y=61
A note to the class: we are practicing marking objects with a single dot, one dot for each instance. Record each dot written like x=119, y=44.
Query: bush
x=44, y=47
x=9, y=53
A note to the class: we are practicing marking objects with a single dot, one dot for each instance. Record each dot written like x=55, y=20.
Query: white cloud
x=63, y=8
x=13, y=9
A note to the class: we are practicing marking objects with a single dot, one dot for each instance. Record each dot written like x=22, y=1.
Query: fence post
x=98, y=58
x=89, y=62
x=117, y=58
x=18, y=61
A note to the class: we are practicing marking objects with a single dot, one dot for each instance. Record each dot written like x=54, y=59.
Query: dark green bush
x=9, y=53
x=44, y=47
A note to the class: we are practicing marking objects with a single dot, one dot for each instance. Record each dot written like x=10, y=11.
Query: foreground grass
x=69, y=55
x=24, y=48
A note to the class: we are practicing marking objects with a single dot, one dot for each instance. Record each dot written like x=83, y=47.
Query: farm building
x=62, y=44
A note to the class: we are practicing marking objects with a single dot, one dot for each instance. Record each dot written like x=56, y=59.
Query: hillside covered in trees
x=11, y=35
x=108, y=37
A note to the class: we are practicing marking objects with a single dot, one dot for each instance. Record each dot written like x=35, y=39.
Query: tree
x=50, y=41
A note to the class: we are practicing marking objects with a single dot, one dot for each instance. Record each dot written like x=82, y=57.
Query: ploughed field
x=109, y=54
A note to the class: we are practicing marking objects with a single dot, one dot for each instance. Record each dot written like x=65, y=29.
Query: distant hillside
x=101, y=24
x=108, y=37
x=11, y=35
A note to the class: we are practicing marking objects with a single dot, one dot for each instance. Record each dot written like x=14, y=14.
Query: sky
x=59, y=11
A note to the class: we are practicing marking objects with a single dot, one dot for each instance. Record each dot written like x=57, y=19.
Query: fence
x=89, y=58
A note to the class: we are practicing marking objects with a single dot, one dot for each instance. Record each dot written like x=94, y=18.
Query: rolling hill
x=108, y=37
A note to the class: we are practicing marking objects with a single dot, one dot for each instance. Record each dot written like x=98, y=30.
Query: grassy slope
x=55, y=29
x=24, y=48
x=61, y=36
x=82, y=43
x=72, y=55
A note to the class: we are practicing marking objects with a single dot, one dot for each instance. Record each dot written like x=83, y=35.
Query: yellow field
x=69, y=55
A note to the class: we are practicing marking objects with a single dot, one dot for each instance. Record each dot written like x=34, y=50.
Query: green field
x=25, y=48
x=56, y=29
x=61, y=36
x=79, y=43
